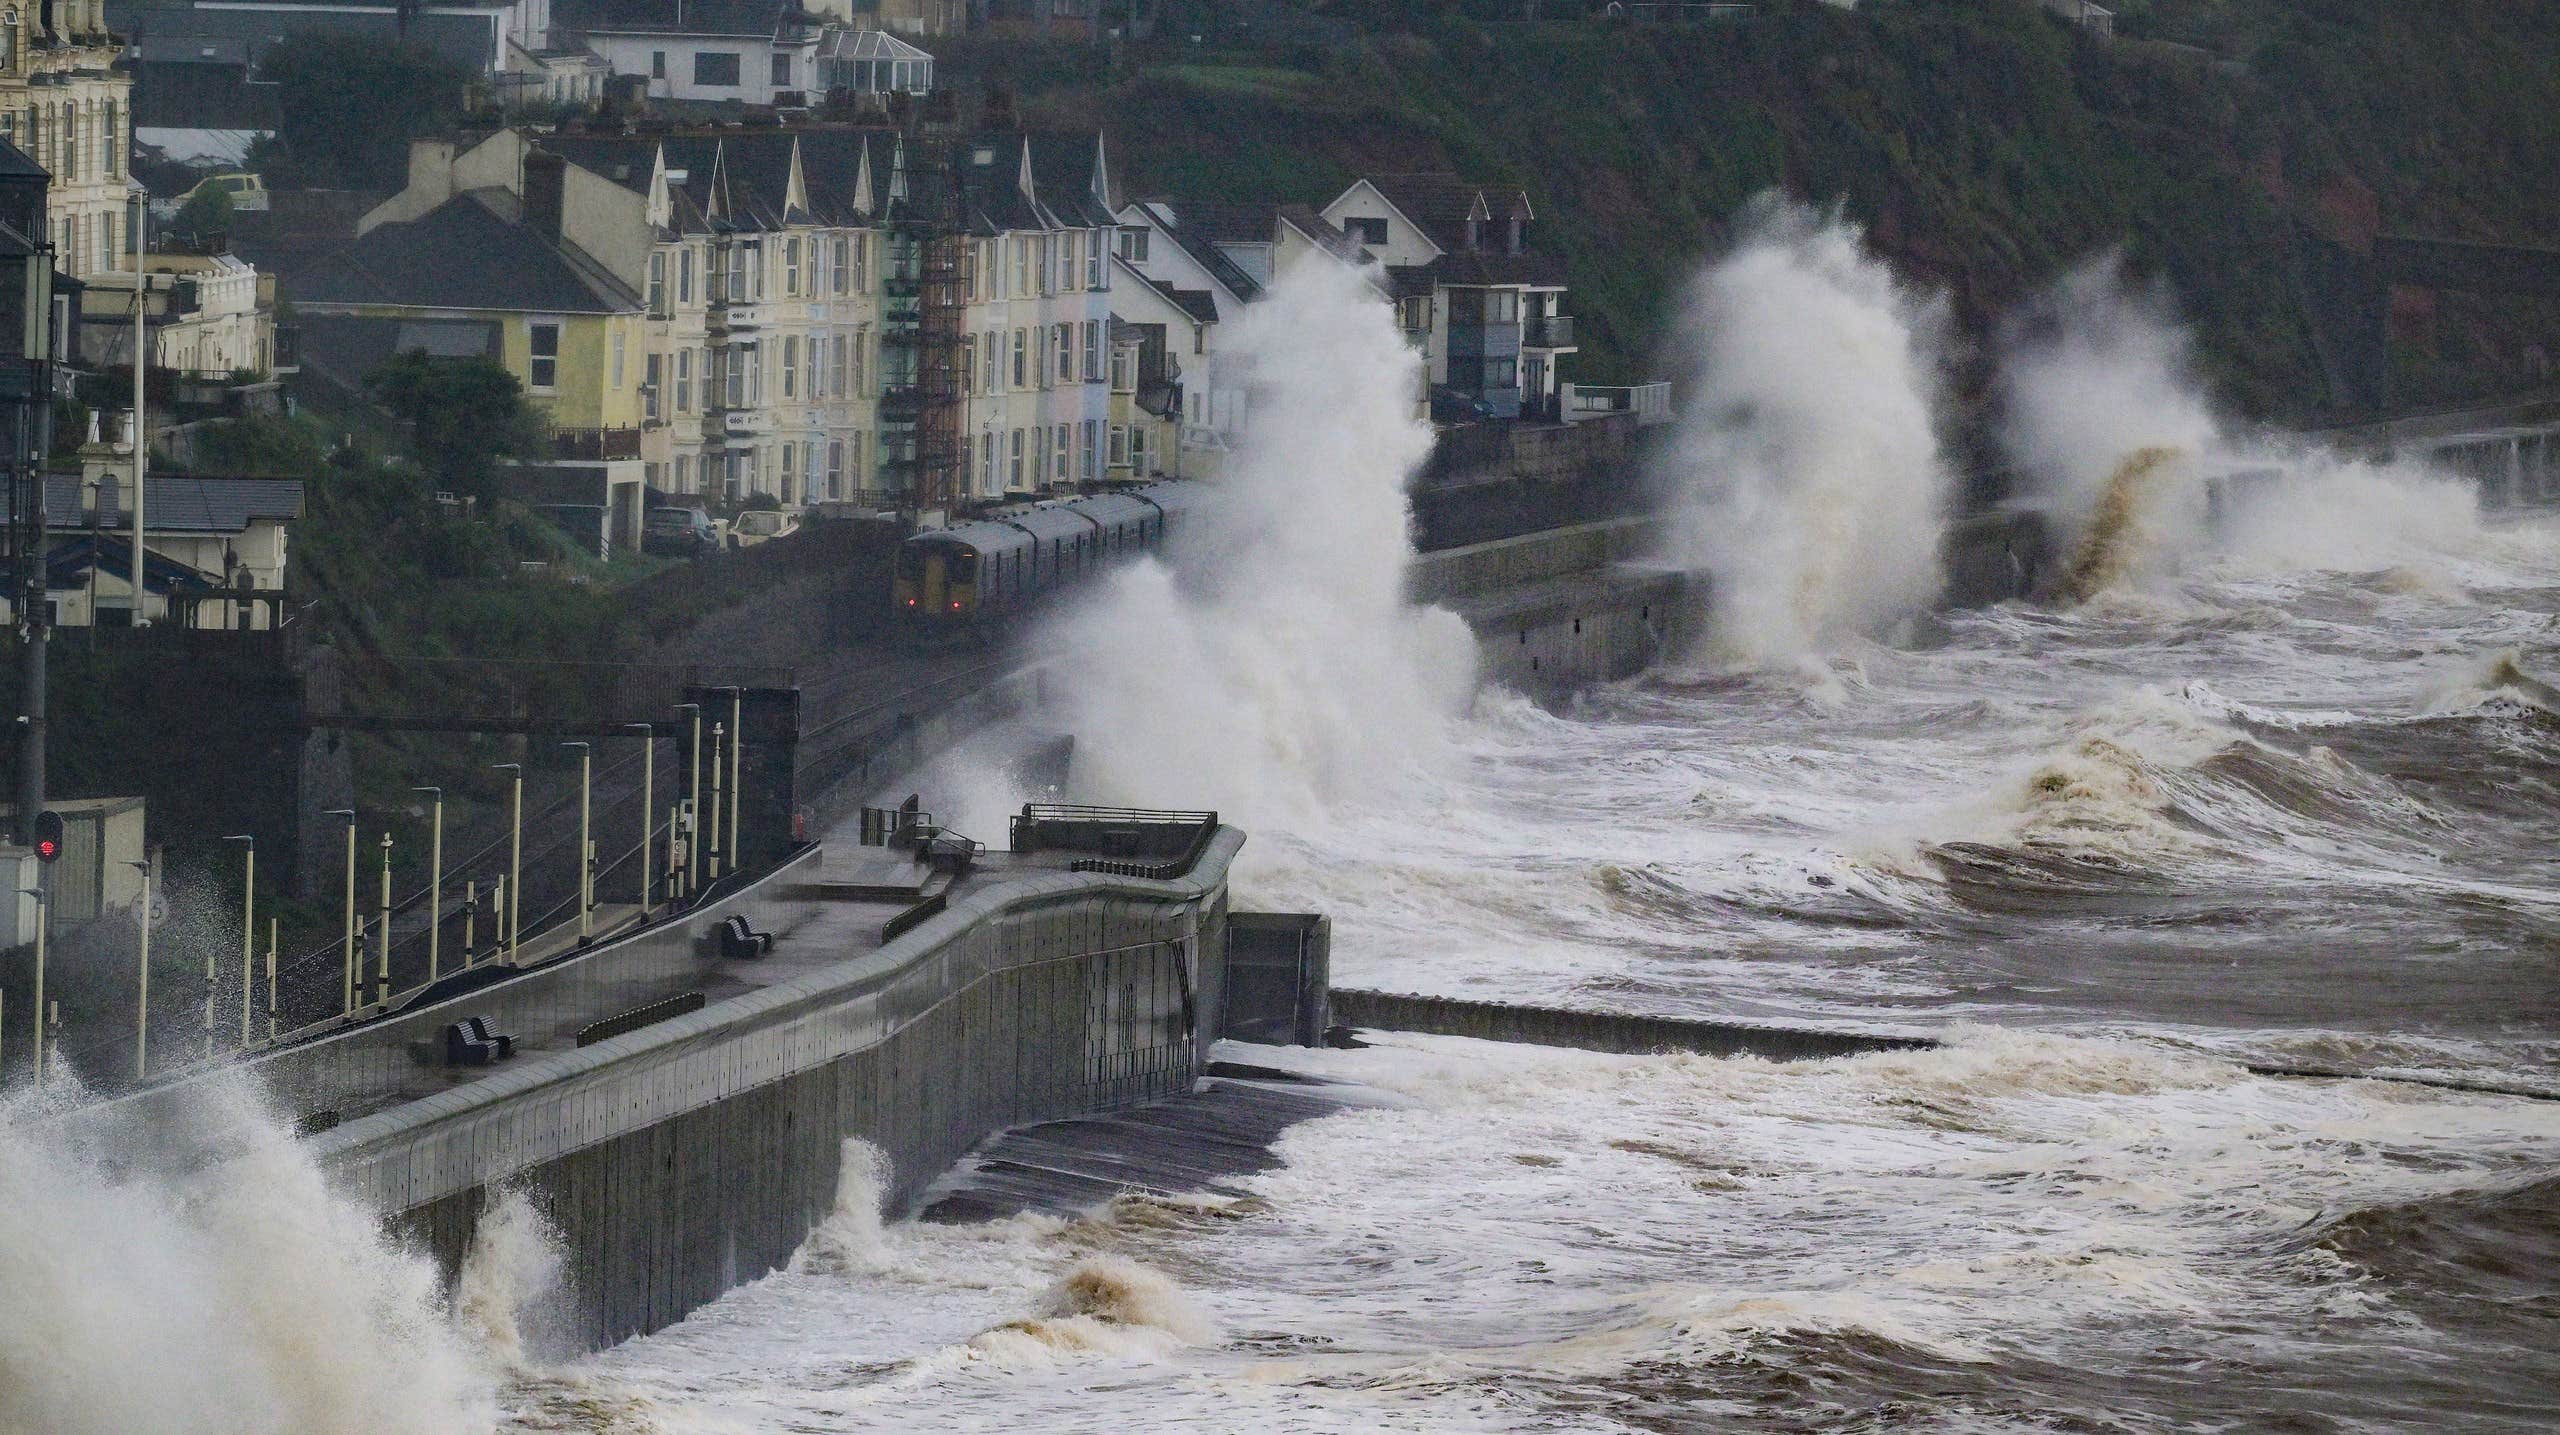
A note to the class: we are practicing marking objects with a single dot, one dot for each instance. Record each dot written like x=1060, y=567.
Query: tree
x=348, y=106
x=464, y=415
x=205, y=214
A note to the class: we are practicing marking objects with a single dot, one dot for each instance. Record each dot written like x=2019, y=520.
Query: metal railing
x=1146, y=843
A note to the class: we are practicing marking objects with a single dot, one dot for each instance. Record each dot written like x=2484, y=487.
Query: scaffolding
x=933, y=270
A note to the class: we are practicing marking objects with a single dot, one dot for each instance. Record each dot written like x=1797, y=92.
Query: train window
x=911, y=562
x=964, y=566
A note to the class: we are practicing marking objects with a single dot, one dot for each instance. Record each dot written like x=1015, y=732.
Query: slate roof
x=1174, y=218
x=177, y=503
x=743, y=175
x=1441, y=203
x=677, y=17
x=1198, y=303
x=464, y=255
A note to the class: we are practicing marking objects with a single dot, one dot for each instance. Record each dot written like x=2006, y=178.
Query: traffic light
x=48, y=843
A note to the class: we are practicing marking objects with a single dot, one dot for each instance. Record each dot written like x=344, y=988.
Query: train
x=972, y=578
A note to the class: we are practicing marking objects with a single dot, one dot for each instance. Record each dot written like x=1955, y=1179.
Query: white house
x=1487, y=310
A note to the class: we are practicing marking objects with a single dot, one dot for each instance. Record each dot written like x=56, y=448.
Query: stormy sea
x=2267, y=776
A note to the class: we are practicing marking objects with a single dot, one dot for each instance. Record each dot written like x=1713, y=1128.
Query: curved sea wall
x=695, y=1153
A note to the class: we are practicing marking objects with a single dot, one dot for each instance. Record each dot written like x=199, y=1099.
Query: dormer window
x=1475, y=235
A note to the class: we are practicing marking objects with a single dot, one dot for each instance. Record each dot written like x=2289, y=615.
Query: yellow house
x=478, y=274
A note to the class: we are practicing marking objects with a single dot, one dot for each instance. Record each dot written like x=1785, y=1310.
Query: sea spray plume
x=2120, y=531
x=2101, y=412
x=514, y=1268
x=1276, y=669
x=1806, y=473
x=232, y=1292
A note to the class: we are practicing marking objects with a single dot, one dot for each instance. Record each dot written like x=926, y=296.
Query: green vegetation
x=350, y=105
x=1985, y=145
x=464, y=416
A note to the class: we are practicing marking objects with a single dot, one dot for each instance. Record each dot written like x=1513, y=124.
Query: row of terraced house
x=734, y=311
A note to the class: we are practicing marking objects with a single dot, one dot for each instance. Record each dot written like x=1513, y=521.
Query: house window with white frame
x=1093, y=351
x=649, y=386
x=684, y=275
x=1119, y=446
x=684, y=381
x=1065, y=337
x=835, y=468
x=790, y=452
x=1092, y=450
x=1021, y=359
x=987, y=461
x=615, y=345
x=790, y=264
x=791, y=366
x=1017, y=460
x=1096, y=273
x=1124, y=370
x=658, y=283
x=542, y=343
x=1058, y=450
x=840, y=345
x=809, y=372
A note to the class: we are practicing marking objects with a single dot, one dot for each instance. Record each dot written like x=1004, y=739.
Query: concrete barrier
x=1603, y=1031
x=694, y=1153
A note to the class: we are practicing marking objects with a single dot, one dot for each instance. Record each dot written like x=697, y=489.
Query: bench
x=740, y=942
x=469, y=1042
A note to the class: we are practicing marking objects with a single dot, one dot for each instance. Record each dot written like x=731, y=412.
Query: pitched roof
x=1198, y=303
x=464, y=254
x=1174, y=219
x=1440, y=204
x=178, y=503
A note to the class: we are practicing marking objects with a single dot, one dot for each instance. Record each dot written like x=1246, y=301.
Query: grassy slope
x=1985, y=145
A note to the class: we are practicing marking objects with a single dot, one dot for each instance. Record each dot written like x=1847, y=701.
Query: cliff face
x=2239, y=151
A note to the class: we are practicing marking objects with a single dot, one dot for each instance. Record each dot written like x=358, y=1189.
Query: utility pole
x=141, y=289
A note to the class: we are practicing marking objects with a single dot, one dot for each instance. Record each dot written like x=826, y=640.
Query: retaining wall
x=1561, y=609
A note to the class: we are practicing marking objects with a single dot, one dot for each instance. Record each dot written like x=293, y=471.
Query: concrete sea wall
x=1562, y=608
x=1602, y=1031
x=683, y=1158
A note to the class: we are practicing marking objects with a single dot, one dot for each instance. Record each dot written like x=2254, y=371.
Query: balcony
x=1555, y=331
x=901, y=405
x=595, y=445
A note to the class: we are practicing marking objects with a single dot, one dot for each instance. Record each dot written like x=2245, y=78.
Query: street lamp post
x=435, y=887
x=349, y=963
x=142, y=979
x=693, y=804
x=512, y=901
x=248, y=925
x=586, y=841
x=737, y=750
x=382, y=952
x=712, y=837
x=648, y=806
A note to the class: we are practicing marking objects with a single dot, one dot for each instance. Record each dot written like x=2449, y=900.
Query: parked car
x=673, y=532
x=761, y=525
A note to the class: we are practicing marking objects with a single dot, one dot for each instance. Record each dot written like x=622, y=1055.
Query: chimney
x=545, y=177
